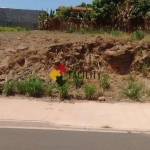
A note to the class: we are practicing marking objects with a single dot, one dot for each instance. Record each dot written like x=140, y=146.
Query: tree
x=52, y=13
x=84, y=5
x=102, y=9
x=64, y=13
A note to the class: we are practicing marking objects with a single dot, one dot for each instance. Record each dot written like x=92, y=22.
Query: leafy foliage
x=32, y=86
x=42, y=16
x=104, y=82
x=9, y=88
x=49, y=89
x=52, y=13
x=84, y=5
x=90, y=91
x=64, y=91
x=138, y=35
x=64, y=13
x=132, y=90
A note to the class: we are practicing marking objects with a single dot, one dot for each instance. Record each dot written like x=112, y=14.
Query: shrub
x=21, y=87
x=132, y=90
x=9, y=88
x=69, y=30
x=104, y=82
x=145, y=69
x=82, y=31
x=26, y=29
x=64, y=91
x=101, y=31
x=90, y=91
x=116, y=32
x=78, y=82
x=19, y=28
x=33, y=86
x=49, y=89
x=138, y=35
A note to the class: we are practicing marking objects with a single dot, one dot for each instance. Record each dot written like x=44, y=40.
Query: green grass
x=64, y=91
x=49, y=90
x=13, y=28
x=104, y=82
x=70, y=30
x=32, y=86
x=106, y=127
x=90, y=91
x=116, y=33
x=145, y=69
x=78, y=82
x=21, y=87
x=85, y=31
x=138, y=35
x=132, y=90
x=9, y=88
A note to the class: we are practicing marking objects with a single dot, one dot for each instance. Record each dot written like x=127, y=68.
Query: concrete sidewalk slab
x=118, y=116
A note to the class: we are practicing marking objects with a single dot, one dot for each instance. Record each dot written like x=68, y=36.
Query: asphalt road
x=33, y=139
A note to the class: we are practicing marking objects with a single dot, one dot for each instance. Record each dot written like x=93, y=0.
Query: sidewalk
x=94, y=115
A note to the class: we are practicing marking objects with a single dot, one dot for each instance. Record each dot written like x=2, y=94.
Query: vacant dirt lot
x=38, y=52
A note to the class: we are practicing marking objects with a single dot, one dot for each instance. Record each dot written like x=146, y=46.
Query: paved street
x=29, y=139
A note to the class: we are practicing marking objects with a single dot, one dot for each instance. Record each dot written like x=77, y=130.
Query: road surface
x=38, y=139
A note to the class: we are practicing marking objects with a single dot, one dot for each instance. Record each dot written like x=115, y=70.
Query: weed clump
x=138, y=35
x=49, y=89
x=116, y=33
x=145, y=70
x=78, y=82
x=64, y=91
x=90, y=91
x=32, y=86
x=132, y=89
x=9, y=88
x=104, y=82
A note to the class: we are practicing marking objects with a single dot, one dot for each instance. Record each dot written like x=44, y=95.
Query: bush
x=64, y=91
x=33, y=86
x=145, y=69
x=132, y=90
x=9, y=88
x=69, y=30
x=78, y=82
x=90, y=91
x=49, y=89
x=21, y=87
x=101, y=31
x=116, y=32
x=138, y=35
x=19, y=28
x=104, y=82
x=82, y=31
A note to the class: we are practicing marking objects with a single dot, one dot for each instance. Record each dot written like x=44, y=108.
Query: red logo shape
x=61, y=68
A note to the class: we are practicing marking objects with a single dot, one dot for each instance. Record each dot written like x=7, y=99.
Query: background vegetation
x=125, y=15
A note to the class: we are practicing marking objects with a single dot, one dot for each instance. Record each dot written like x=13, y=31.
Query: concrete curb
x=21, y=124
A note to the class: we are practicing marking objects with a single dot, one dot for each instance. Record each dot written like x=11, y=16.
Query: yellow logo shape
x=55, y=73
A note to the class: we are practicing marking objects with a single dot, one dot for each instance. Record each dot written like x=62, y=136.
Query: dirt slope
x=38, y=52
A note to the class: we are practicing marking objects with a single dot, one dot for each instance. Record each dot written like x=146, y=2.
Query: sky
x=40, y=4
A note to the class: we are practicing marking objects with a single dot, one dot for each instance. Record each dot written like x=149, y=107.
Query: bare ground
x=23, y=53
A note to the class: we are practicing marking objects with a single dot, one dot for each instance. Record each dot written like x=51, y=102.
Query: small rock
x=102, y=98
x=22, y=48
x=10, y=50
